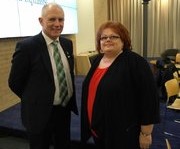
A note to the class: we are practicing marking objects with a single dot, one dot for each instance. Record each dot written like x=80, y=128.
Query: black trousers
x=57, y=132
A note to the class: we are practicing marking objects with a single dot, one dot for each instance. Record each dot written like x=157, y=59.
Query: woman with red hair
x=120, y=102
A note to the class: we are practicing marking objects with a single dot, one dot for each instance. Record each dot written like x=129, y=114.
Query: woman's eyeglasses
x=113, y=38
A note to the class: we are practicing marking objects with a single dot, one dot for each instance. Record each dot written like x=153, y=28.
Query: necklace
x=107, y=60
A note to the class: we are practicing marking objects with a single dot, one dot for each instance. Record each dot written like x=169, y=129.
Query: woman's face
x=110, y=42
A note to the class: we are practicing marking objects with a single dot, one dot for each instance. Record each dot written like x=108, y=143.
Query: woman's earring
x=101, y=51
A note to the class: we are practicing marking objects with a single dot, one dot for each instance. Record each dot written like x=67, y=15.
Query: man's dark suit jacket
x=31, y=78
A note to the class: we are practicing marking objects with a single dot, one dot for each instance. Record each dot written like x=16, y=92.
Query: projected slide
x=19, y=18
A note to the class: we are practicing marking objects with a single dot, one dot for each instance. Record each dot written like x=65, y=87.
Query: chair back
x=172, y=88
x=177, y=60
x=175, y=105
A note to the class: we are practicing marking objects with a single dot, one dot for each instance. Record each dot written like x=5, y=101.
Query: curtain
x=163, y=26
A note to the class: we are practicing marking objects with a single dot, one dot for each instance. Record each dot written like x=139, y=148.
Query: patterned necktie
x=60, y=73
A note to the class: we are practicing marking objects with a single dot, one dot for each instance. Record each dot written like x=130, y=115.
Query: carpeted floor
x=10, y=124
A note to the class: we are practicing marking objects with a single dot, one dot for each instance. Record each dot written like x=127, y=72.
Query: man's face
x=52, y=22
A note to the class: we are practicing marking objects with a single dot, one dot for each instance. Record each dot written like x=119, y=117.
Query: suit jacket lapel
x=65, y=48
x=67, y=51
x=45, y=55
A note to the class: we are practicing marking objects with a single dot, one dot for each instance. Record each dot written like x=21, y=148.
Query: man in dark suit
x=33, y=78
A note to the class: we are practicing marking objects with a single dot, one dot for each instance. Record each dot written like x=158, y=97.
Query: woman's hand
x=145, y=140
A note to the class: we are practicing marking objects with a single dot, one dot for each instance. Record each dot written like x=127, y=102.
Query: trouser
x=57, y=132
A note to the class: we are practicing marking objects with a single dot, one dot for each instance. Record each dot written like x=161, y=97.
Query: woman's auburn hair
x=119, y=29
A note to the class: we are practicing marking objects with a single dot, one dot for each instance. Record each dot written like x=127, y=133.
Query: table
x=83, y=63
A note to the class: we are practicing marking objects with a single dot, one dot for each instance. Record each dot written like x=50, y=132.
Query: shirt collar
x=47, y=39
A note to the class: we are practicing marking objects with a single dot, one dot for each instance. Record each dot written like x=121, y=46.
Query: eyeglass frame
x=112, y=38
